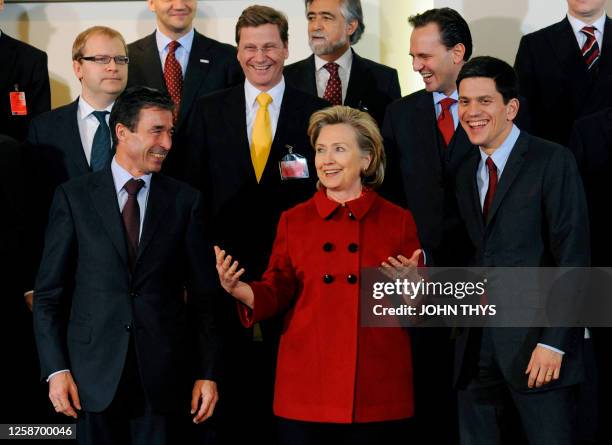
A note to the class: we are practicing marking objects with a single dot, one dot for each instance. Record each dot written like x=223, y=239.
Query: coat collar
x=358, y=207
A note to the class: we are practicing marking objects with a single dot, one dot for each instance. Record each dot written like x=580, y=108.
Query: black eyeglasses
x=105, y=60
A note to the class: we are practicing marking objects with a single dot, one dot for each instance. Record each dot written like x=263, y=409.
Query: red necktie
x=491, y=190
x=173, y=75
x=131, y=218
x=333, y=90
x=590, y=49
x=446, y=125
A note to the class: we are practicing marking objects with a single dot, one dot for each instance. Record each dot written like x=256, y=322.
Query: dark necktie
x=333, y=90
x=446, y=125
x=491, y=190
x=101, y=147
x=173, y=76
x=590, y=49
x=131, y=218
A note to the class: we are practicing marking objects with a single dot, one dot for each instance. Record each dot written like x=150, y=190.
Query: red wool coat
x=329, y=368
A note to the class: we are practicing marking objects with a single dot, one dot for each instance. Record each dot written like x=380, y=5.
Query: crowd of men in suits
x=128, y=319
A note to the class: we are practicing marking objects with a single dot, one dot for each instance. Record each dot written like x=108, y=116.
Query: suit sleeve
x=53, y=279
x=392, y=188
x=203, y=288
x=394, y=90
x=40, y=93
x=279, y=284
x=567, y=219
x=526, y=72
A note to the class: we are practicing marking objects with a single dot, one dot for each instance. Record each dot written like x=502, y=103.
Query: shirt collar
x=437, y=96
x=578, y=24
x=501, y=155
x=85, y=109
x=163, y=40
x=344, y=61
x=251, y=93
x=121, y=176
x=358, y=207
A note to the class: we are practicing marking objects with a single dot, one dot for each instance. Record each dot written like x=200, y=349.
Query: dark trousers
x=491, y=412
x=129, y=419
x=295, y=432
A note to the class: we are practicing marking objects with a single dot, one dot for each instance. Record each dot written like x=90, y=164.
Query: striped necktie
x=590, y=49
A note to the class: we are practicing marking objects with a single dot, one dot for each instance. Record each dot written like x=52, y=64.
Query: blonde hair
x=81, y=39
x=368, y=138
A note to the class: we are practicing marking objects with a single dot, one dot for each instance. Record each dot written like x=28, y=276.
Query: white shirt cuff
x=551, y=348
x=56, y=372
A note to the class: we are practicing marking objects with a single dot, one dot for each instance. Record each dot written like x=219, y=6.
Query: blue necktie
x=101, y=147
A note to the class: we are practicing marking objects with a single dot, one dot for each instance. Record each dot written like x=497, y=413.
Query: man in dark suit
x=522, y=200
x=251, y=157
x=425, y=146
x=335, y=71
x=188, y=65
x=75, y=139
x=591, y=143
x=24, y=85
x=565, y=70
x=121, y=246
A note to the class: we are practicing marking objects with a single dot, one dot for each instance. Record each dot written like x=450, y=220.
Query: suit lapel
x=307, y=74
x=604, y=69
x=153, y=71
x=234, y=115
x=74, y=145
x=197, y=70
x=159, y=199
x=104, y=199
x=563, y=42
x=427, y=128
x=474, y=194
x=7, y=49
x=356, y=84
x=511, y=171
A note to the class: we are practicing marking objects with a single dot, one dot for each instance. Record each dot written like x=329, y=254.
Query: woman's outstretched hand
x=229, y=276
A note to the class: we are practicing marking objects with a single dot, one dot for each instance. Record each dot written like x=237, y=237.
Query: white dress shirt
x=578, y=24
x=181, y=53
x=250, y=95
x=88, y=124
x=345, y=61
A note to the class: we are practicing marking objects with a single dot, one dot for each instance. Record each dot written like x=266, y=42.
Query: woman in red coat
x=336, y=382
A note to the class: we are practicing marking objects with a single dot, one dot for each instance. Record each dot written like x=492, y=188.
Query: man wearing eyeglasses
x=75, y=139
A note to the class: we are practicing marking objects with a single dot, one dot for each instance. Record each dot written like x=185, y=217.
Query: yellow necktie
x=262, y=135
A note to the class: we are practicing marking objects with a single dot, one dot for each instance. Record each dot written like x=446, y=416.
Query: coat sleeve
x=53, y=279
x=278, y=285
x=203, y=287
x=567, y=219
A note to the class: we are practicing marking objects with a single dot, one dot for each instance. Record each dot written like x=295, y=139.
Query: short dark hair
x=128, y=105
x=504, y=76
x=258, y=15
x=351, y=10
x=453, y=28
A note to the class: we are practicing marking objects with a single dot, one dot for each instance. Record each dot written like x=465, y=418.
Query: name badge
x=18, y=102
x=293, y=166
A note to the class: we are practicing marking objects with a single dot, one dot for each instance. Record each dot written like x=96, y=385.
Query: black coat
x=85, y=269
x=24, y=66
x=421, y=175
x=371, y=87
x=538, y=218
x=556, y=83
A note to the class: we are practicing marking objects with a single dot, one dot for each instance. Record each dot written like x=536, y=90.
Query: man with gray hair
x=334, y=71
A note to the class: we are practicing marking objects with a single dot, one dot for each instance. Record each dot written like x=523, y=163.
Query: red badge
x=18, y=103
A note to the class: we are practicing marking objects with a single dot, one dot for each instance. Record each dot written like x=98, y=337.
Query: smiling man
x=425, y=145
x=536, y=369
x=334, y=71
x=121, y=246
x=188, y=65
x=244, y=143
